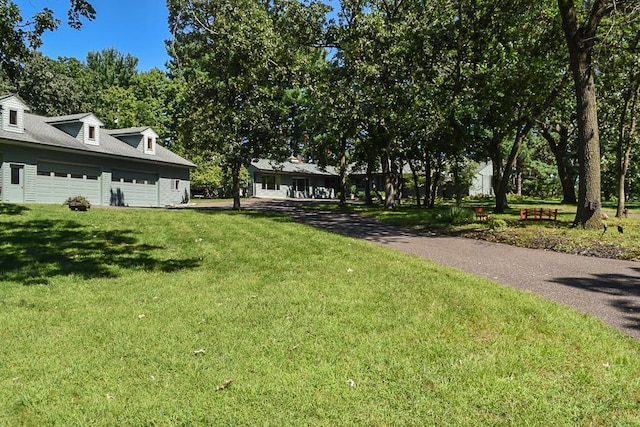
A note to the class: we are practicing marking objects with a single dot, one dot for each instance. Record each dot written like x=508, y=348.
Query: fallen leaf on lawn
x=109, y=396
x=224, y=385
x=141, y=316
x=349, y=270
x=351, y=382
x=199, y=352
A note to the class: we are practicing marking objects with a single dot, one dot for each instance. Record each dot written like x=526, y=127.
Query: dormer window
x=13, y=117
x=143, y=139
x=149, y=141
x=12, y=114
x=92, y=133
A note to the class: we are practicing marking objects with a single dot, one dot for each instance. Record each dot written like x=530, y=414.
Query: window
x=149, y=144
x=15, y=174
x=13, y=117
x=92, y=132
x=270, y=182
x=175, y=184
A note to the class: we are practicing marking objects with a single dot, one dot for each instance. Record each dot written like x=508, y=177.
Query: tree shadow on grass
x=35, y=251
x=10, y=209
x=622, y=291
x=250, y=211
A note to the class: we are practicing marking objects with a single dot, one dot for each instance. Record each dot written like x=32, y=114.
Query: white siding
x=8, y=104
x=91, y=121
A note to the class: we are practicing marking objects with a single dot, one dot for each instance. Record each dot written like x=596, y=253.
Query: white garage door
x=56, y=182
x=129, y=188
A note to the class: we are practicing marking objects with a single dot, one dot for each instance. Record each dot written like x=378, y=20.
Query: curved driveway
x=605, y=288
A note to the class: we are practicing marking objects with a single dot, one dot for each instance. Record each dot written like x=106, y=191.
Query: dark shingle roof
x=68, y=118
x=39, y=131
x=127, y=131
x=290, y=167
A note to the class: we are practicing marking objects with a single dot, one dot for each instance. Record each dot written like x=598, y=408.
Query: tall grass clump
x=457, y=215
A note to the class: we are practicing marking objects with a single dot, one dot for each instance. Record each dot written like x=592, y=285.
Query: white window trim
x=146, y=141
x=17, y=116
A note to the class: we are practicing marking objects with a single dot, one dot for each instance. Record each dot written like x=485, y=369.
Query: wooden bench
x=538, y=214
x=481, y=215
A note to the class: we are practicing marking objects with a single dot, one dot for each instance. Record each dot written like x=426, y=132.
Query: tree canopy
x=437, y=86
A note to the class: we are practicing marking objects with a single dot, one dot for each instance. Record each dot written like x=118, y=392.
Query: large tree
x=581, y=21
x=50, y=88
x=237, y=65
x=620, y=110
x=20, y=36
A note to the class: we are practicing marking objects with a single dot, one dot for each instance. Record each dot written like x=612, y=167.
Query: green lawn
x=181, y=317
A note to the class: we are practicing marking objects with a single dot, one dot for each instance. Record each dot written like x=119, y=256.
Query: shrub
x=459, y=216
x=77, y=203
x=497, y=223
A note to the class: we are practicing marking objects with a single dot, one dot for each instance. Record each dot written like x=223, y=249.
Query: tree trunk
x=580, y=41
x=437, y=176
x=343, y=178
x=503, y=185
x=426, y=161
x=560, y=150
x=416, y=183
x=519, y=167
x=496, y=160
x=626, y=134
x=457, y=185
x=235, y=186
x=367, y=191
x=389, y=185
x=589, y=188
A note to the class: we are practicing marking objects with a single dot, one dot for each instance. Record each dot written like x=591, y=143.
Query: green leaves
x=19, y=36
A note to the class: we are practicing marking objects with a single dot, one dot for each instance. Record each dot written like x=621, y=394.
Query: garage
x=56, y=182
x=132, y=188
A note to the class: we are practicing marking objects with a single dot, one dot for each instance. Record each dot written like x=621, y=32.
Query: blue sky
x=138, y=27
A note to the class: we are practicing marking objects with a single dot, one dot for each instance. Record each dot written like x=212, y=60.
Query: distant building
x=292, y=179
x=482, y=181
x=296, y=179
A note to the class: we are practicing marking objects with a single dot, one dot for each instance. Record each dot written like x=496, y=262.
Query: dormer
x=85, y=127
x=143, y=139
x=12, y=109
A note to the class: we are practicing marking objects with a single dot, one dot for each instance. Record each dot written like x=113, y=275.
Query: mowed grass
x=183, y=317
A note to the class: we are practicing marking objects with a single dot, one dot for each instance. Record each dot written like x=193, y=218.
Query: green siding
x=65, y=174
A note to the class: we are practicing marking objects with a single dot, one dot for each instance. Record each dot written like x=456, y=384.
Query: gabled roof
x=485, y=168
x=39, y=131
x=11, y=95
x=127, y=131
x=71, y=118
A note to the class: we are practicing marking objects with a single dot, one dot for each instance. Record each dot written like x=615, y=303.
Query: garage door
x=56, y=182
x=129, y=188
